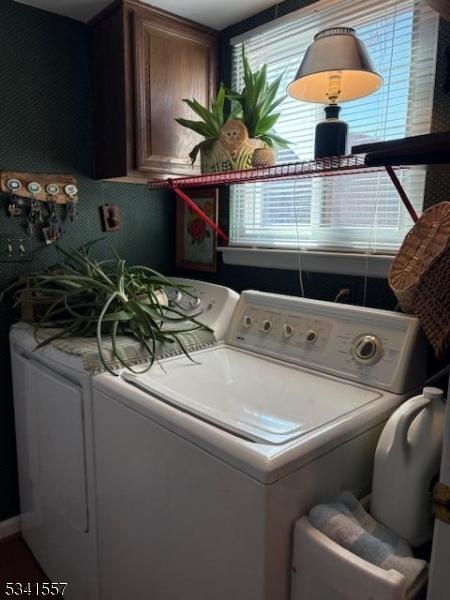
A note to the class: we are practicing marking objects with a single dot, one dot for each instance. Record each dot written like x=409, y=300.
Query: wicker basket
x=420, y=275
x=434, y=315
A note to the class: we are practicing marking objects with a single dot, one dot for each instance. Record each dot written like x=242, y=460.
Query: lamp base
x=331, y=134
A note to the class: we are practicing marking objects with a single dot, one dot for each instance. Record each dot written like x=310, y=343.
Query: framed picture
x=196, y=242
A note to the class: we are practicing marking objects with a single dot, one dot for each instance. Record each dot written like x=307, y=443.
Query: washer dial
x=247, y=321
x=311, y=336
x=174, y=296
x=367, y=349
x=267, y=326
x=195, y=302
x=288, y=330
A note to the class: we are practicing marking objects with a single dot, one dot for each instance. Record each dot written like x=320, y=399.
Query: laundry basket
x=323, y=570
x=420, y=275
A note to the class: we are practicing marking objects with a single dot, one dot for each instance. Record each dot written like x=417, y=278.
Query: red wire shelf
x=330, y=166
x=336, y=165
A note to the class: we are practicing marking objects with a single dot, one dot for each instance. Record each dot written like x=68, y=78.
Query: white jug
x=407, y=460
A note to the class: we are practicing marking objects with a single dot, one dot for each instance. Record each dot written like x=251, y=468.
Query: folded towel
x=346, y=522
x=131, y=351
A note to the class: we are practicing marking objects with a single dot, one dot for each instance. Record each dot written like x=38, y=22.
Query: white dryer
x=202, y=469
x=55, y=447
x=52, y=409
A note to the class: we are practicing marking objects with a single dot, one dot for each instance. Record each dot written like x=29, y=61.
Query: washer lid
x=257, y=398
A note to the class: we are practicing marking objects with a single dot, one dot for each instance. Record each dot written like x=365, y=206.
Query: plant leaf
x=273, y=106
x=205, y=114
x=197, y=126
x=266, y=123
x=194, y=152
x=276, y=139
x=82, y=296
x=218, y=107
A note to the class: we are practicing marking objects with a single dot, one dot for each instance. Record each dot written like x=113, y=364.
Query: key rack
x=43, y=187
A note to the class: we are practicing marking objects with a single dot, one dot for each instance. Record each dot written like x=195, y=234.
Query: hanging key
x=12, y=207
x=15, y=206
x=35, y=209
x=52, y=232
x=71, y=191
x=34, y=216
x=54, y=225
x=72, y=211
x=31, y=220
x=14, y=186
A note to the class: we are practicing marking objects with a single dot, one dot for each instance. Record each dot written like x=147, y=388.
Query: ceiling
x=218, y=14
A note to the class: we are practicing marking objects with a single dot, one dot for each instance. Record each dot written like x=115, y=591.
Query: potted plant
x=81, y=296
x=245, y=139
x=211, y=123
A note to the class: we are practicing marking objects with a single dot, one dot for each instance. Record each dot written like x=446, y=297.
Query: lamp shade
x=340, y=54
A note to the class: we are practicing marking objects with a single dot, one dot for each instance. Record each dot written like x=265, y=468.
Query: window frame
x=279, y=256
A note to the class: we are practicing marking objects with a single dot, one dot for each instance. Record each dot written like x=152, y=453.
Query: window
x=343, y=212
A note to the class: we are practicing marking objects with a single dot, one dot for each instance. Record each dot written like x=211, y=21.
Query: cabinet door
x=52, y=476
x=173, y=60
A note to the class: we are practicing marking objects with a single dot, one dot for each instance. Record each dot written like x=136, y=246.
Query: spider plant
x=256, y=103
x=211, y=122
x=84, y=297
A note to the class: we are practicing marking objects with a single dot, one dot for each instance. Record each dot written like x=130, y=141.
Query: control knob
x=175, y=297
x=266, y=326
x=195, y=302
x=248, y=321
x=367, y=349
x=311, y=336
x=288, y=330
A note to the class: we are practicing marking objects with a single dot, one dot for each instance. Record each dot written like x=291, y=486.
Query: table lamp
x=336, y=68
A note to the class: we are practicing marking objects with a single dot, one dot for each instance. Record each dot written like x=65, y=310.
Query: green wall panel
x=45, y=126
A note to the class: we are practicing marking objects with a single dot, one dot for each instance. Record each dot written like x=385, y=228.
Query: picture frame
x=196, y=242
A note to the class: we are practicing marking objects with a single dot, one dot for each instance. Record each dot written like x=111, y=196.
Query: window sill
x=375, y=265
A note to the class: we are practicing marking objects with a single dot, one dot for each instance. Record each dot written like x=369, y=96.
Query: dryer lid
x=254, y=397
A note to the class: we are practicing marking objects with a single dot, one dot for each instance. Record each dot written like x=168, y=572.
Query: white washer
x=202, y=469
x=55, y=448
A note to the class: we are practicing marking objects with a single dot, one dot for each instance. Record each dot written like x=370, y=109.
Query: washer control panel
x=214, y=304
x=380, y=348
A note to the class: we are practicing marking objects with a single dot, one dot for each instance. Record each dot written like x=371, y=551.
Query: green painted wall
x=45, y=126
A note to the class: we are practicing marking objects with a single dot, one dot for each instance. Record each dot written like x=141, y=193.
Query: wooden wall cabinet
x=144, y=61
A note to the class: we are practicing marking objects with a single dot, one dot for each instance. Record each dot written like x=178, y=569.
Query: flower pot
x=216, y=158
x=264, y=157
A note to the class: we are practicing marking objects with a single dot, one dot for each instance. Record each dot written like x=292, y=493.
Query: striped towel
x=131, y=351
x=345, y=521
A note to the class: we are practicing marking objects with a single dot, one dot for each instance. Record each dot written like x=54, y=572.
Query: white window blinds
x=350, y=212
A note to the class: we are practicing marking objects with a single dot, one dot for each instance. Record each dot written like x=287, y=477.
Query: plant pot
x=215, y=157
x=264, y=157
